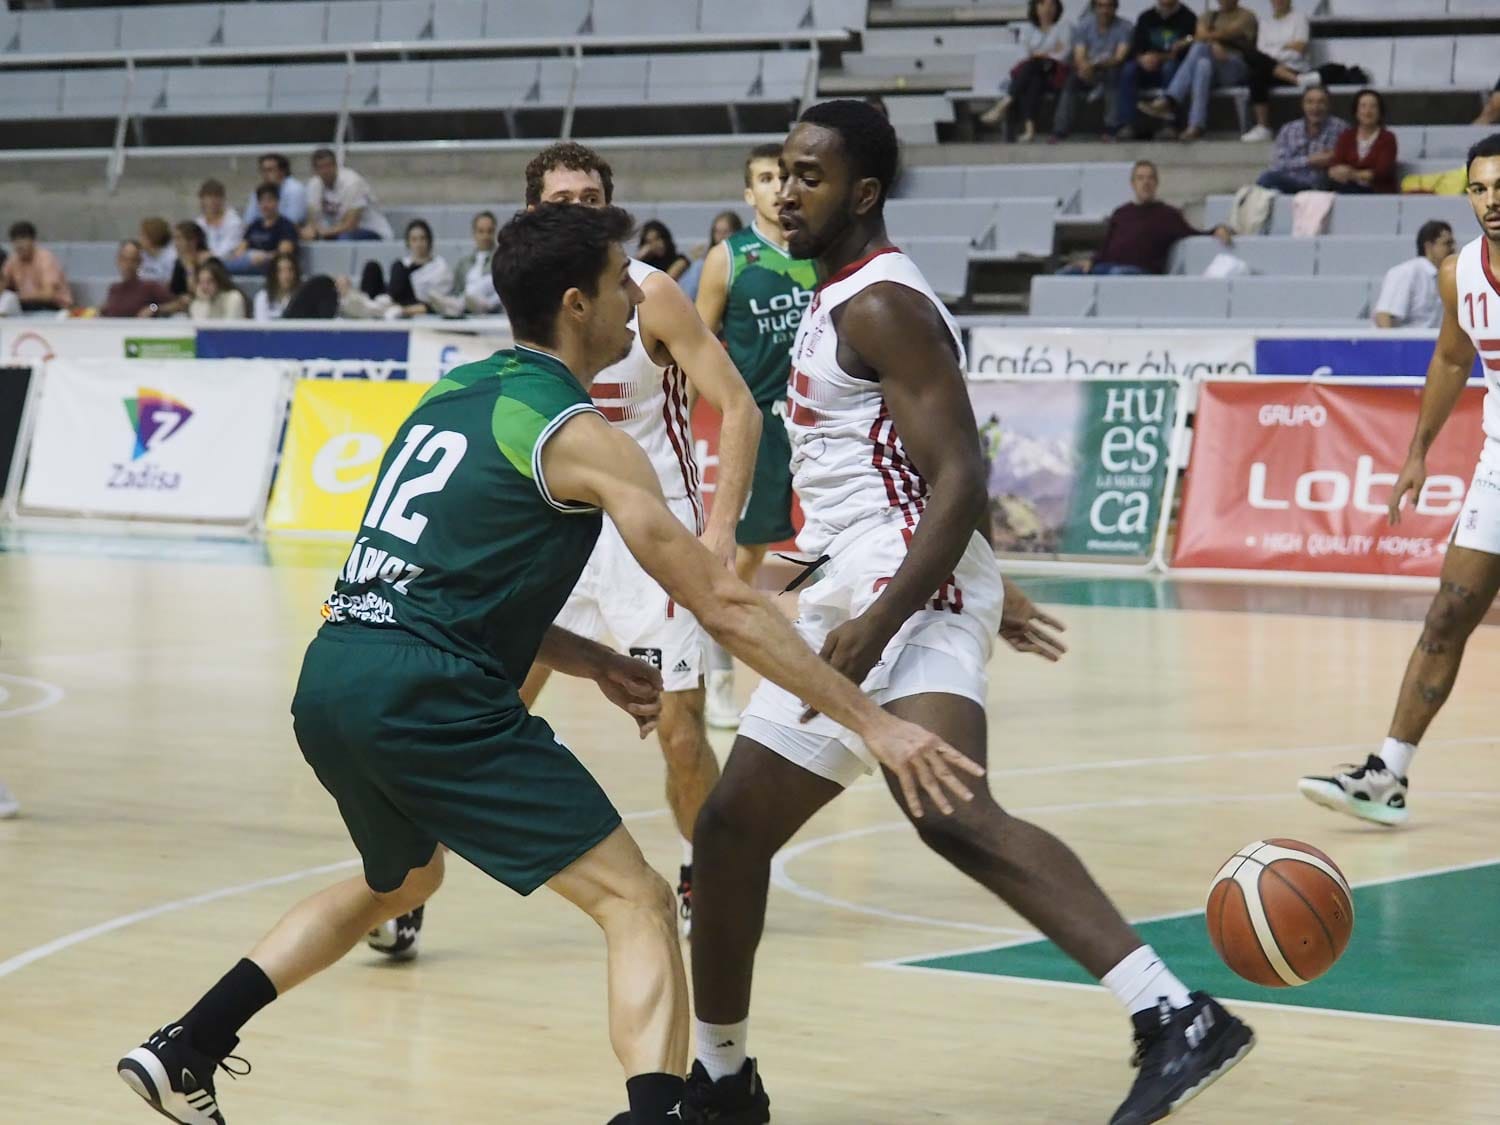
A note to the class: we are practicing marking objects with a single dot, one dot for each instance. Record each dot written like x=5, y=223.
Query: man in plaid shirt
x=1304, y=148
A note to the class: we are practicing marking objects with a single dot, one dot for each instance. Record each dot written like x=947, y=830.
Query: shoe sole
x=1213, y=1076
x=142, y=1072
x=1334, y=798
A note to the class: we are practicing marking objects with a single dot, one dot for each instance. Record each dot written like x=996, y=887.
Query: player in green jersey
x=487, y=506
x=752, y=294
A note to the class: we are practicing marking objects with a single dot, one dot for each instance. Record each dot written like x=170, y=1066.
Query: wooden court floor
x=168, y=820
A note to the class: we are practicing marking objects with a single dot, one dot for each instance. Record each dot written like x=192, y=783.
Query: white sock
x=1142, y=979
x=1397, y=755
x=687, y=853
x=720, y=1047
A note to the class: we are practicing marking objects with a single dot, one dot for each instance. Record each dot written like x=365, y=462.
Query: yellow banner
x=337, y=435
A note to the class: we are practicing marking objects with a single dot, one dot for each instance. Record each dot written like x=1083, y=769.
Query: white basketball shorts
x=944, y=648
x=618, y=604
x=1478, y=524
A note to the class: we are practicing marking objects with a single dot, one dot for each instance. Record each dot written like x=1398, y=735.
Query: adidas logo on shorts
x=682, y=666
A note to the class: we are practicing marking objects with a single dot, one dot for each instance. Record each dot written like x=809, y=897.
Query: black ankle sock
x=227, y=1007
x=652, y=1097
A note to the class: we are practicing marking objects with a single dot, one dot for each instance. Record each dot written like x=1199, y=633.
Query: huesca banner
x=1296, y=477
x=337, y=434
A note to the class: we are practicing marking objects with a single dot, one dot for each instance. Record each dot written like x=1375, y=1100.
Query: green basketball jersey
x=462, y=545
x=768, y=291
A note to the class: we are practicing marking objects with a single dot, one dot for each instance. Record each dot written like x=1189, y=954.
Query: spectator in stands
x=420, y=283
x=192, y=252
x=657, y=248
x=1490, y=114
x=1216, y=58
x=473, y=278
x=1364, y=158
x=1409, y=294
x=1140, y=235
x=292, y=196
x=216, y=297
x=1163, y=35
x=1304, y=148
x=158, y=255
x=33, y=273
x=133, y=295
x=340, y=204
x=1101, y=44
x=1279, y=58
x=270, y=233
x=283, y=276
x=725, y=223
x=1047, y=42
x=221, y=223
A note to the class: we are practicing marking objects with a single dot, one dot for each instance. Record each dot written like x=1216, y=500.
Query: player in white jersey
x=616, y=602
x=906, y=600
x=1469, y=284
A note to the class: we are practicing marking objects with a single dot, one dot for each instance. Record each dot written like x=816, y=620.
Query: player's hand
x=1026, y=628
x=853, y=649
x=1413, y=477
x=921, y=760
x=634, y=687
x=720, y=545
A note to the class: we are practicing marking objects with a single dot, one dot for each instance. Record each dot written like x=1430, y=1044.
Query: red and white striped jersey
x=1479, y=315
x=649, y=402
x=848, y=463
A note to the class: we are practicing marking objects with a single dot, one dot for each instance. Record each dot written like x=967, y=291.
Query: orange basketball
x=1280, y=913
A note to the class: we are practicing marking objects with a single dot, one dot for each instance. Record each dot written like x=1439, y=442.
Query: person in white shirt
x=276, y=169
x=158, y=255
x=217, y=298
x=473, y=278
x=283, y=276
x=1279, y=59
x=341, y=204
x=221, y=223
x=420, y=283
x=1409, y=295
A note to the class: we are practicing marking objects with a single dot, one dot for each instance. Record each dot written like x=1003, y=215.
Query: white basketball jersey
x=1479, y=314
x=848, y=463
x=649, y=402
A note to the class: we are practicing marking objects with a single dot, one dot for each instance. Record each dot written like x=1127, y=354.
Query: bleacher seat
x=1271, y=255
x=1365, y=214
x=49, y=33
x=1023, y=228
x=353, y=21
x=944, y=262
x=1299, y=298
x=272, y=23
x=646, y=17
x=1452, y=142
x=1455, y=210
x=1422, y=63
x=1476, y=59
x=400, y=86
x=940, y=182
x=1362, y=257
x=319, y=87
x=403, y=21
x=731, y=76
x=1374, y=55
x=1064, y=296
x=161, y=26
x=482, y=83
x=974, y=219
x=31, y=95
x=1161, y=298
x=455, y=20
x=204, y=91
x=526, y=19
x=733, y=16
x=332, y=258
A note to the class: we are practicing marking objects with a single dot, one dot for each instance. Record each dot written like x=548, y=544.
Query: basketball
x=1280, y=913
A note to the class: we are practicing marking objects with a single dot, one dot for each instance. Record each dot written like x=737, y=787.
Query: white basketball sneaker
x=719, y=708
x=9, y=806
x=398, y=939
x=1370, y=792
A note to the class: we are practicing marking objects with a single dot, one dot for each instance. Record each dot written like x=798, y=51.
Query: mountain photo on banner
x=1028, y=434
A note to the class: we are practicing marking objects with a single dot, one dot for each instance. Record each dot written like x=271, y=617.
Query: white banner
x=1120, y=353
x=154, y=439
x=33, y=339
x=432, y=353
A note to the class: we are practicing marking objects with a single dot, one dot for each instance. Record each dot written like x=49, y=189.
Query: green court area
x=1423, y=947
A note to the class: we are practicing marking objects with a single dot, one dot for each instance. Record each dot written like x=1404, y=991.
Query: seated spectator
x=1162, y=36
x=33, y=273
x=1217, y=58
x=420, y=283
x=1047, y=42
x=192, y=251
x=1304, y=148
x=1364, y=159
x=1409, y=294
x=158, y=255
x=270, y=233
x=216, y=297
x=133, y=295
x=1279, y=58
x=725, y=223
x=283, y=277
x=656, y=248
x=1490, y=114
x=221, y=223
x=1101, y=43
x=1140, y=235
x=276, y=169
x=474, y=279
x=340, y=204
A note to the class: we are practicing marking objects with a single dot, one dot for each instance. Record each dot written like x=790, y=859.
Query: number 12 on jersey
x=389, y=514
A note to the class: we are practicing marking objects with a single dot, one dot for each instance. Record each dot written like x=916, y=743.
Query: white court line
x=51, y=695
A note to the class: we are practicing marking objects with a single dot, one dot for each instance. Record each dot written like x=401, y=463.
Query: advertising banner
x=1296, y=476
x=154, y=439
x=1093, y=353
x=433, y=353
x=1373, y=357
x=1076, y=468
x=34, y=339
x=335, y=439
x=380, y=345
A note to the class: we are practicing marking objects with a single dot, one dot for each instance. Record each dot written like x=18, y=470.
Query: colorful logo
x=155, y=416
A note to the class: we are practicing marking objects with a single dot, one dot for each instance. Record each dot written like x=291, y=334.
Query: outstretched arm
x=631, y=685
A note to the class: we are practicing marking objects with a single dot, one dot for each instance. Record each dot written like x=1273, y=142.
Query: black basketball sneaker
x=685, y=901
x=175, y=1078
x=398, y=938
x=737, y=1099
x=1179, y=1054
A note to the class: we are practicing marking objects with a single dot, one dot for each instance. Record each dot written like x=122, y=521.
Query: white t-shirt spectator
x=158, y=266
x=267, y=309
x=350, y=191
x=225, y=238
x=479, y=284
x=1275, y=34
x=1410, y=294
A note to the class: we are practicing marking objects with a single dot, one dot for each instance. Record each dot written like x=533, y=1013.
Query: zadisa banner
x=337, y=434
x=1092, y=353
x=1294, y=476
x=1076, y=468
x=154, y=439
